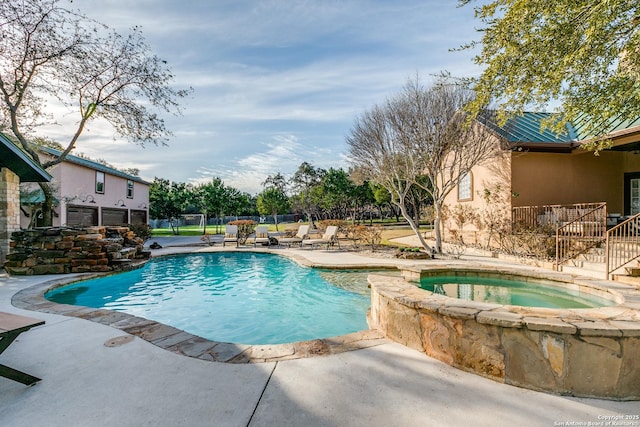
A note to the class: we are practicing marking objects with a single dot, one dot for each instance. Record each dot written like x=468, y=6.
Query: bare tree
x=51, y=53
x=420, y=138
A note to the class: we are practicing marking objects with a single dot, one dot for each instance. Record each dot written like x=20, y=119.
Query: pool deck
x=94, y=374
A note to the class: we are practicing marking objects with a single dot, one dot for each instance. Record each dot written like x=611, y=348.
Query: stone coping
x=621, y=319
x=586, y=352
x=187, y=344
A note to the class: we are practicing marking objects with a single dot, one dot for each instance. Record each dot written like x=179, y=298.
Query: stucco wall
x=75, y=185
x=553, y=178
x=492, y=176
x=548, y=178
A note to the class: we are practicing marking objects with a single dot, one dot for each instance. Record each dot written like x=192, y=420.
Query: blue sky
x=277, y=82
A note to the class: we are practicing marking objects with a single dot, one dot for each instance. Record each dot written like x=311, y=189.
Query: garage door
x=138, y=217
x=115, y=216
x=82, y=216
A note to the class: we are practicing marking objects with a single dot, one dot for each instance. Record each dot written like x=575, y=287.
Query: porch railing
x=576, y=236
x=623, y=244
x=532, y=217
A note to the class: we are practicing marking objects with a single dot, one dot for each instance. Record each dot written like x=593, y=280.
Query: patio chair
x=329, y=237
x=262, y=235
x=303, y=233
x=230, y=234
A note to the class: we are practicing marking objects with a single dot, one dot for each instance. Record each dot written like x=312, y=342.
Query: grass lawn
x=194, y=230
x=187, y=230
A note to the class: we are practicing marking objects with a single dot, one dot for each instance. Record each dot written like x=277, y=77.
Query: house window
x=465, y=187
x=631, y=193
x=99, y=182
x=129, y=189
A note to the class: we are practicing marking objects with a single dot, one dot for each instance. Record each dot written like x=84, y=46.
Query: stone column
x=9, y=209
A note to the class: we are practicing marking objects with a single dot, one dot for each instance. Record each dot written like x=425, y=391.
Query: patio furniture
x=262, y=235
x=12, y=325
x=303, y=233
x=230, y=235
x=329, y=237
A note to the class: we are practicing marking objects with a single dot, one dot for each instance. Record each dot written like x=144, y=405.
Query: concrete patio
x=93, y=376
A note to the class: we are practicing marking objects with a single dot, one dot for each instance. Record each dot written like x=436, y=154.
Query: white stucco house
x=90, y=193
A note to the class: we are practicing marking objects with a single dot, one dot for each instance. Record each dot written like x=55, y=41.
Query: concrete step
x=633, y=271
x=586, y=265
x=628, y=280
x=598, y=274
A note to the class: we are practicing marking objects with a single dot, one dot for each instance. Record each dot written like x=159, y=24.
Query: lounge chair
x=230, y=235
x=262, y=235
x=303, y=233
x=329, y=237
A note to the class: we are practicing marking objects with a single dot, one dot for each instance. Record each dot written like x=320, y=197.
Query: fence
x=268, y=219
x=532, y=217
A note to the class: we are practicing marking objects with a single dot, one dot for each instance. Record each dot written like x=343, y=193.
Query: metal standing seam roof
x=616, y=124
x=16, y=160
x=93, y=165
x=526, y=128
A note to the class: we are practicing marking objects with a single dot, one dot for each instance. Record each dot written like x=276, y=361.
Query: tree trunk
x=437, y=227
x=415, y=228
x=47, y=204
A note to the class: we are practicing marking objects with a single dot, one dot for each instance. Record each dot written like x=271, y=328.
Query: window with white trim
x=99, y=182
x=129, y=189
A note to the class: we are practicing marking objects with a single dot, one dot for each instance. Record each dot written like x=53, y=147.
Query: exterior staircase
x=590, y=263
x=594, y=263
x=584, y=238
x=630, y=276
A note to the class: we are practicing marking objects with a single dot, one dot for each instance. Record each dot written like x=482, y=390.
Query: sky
x=276, y=82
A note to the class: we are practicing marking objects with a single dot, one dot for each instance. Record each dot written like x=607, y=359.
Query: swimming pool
x=238, y=297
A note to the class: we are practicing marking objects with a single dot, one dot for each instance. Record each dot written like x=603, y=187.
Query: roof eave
x=20, y=163
x=544, y=147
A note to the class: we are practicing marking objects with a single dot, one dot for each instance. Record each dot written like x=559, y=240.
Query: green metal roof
x=527, y=128
x=16, y=160
x=35, y=198
x=616, y=124
x=93, y=165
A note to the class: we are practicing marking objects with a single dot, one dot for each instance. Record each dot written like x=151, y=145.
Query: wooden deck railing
x=623, y=244
x=578, y=235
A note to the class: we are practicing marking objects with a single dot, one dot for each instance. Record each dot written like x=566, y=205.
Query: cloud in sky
x=276, y=82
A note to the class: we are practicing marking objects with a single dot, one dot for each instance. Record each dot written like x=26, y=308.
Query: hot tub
x=589, y=352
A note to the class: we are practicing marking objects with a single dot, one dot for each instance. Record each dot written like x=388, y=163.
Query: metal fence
x=623, y=244
x=266, y=219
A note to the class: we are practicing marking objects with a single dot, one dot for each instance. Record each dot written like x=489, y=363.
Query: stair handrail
x=597, y=236
x=622, y=244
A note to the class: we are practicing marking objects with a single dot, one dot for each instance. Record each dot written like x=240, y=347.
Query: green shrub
x=142, y=231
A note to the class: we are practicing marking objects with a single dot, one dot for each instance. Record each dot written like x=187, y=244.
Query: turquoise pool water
x=510, y=292
x=244, y=298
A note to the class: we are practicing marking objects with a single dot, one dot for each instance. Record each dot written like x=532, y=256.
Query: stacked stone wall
x=61, y=250
x=591, y=352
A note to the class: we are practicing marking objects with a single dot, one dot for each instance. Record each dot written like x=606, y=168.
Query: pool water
x=510, y=292
x=244, y=298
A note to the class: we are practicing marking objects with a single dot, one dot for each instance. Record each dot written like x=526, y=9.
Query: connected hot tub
x=589, y=352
